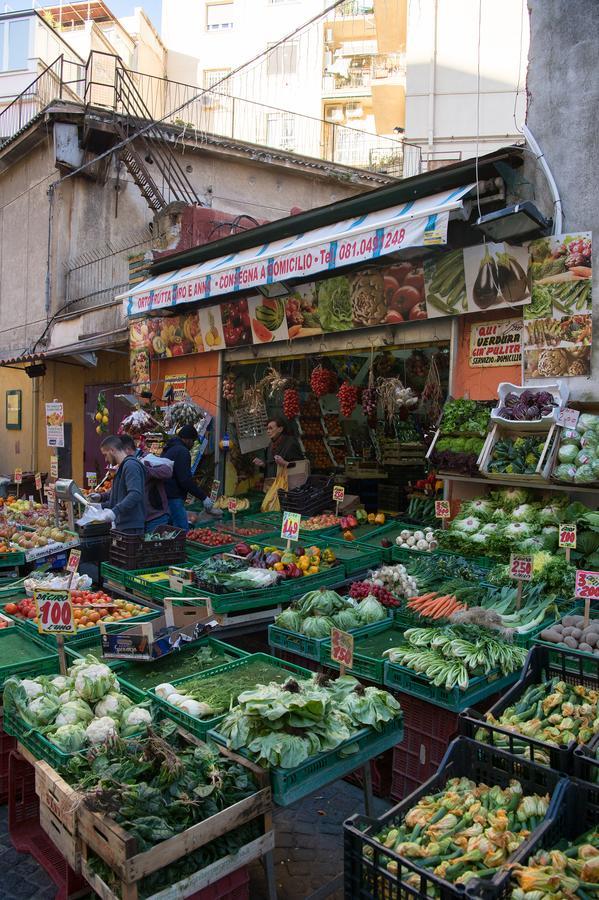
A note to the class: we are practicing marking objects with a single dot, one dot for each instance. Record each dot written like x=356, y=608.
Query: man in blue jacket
x=181, y=484
x=126, y=500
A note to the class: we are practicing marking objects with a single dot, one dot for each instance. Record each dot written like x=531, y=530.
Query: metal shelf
x=548, y=486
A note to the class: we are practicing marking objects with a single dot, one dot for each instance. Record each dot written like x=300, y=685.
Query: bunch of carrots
x=435, y=606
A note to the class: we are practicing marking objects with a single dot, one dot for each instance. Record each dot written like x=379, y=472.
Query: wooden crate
x=544, y=466
x=78, y=831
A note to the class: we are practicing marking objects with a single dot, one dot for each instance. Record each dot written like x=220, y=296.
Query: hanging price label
x=567, y=417
x=73, y=563
x=342, y=647
x=92, y=479
x=338, y=493
x=49, y=492
x=53, y=467
x=18, y=479
x=587, y=584
x=214, y=490
x=442, y=509
x=232, y=504
x=291, y=526
x=520, y=567
x=38, y=481
x=567, y=536
x=54, y=612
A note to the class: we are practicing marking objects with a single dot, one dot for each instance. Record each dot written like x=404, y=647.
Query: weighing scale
x=67, y=490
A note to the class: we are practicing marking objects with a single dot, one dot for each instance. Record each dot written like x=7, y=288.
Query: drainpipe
x=432, y=75
x=219, y=421
x=35, y=396
x=557, y=203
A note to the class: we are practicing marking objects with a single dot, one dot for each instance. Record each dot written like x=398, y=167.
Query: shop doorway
x=93, y=461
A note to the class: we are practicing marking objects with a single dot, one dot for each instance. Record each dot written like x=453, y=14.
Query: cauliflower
x=94, y=681
x=31, y=688
x=113, y=705
x=469, y=525
x=101, y=730
x=135, y=719
x=516, y=531
x=73, y=712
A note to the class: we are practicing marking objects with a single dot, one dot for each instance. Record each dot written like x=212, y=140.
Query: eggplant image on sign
x=496, y=276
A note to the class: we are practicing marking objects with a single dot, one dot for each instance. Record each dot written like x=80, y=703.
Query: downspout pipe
x=540, y=156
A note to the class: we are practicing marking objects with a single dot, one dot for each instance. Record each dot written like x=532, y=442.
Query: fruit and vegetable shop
x=372, y=664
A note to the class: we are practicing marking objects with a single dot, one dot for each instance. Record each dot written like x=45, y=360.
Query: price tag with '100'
x=291, y=526
x=520, y=567
x=54, y=612
x=567, y=536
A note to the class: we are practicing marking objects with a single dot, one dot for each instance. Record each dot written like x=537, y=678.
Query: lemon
x=98, y=429
x=98, y=417
x=105, y=420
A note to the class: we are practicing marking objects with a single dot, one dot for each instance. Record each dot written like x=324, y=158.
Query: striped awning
x=417, y=223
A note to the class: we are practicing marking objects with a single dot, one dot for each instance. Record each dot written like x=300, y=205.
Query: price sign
x=92, y=479
x=587, y=584
x=338, y=493
x=53, y=467
x=442, y=509
x=73, y=563
x=232, y=505
x=567, y=417
x=520, y=567
x=567, y=536
x=291, y=526
x=54, y=612
x=18, y=479
x=49, y=492
x=214, y=490
x=342, y=647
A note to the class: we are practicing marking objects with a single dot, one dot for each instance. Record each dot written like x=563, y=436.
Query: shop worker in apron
x=182, y=483
x=126, y=500
x=282, y=450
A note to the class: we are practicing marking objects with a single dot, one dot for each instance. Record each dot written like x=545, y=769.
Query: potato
x=568, y=631
x=585, y=647
x=590, y=637
x=576, y=633
x=571, y=642
x=550, y=634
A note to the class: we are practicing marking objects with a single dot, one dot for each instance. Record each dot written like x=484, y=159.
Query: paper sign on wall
x=496, y=344
x=55, y=424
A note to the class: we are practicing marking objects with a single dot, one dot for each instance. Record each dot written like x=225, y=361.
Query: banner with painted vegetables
x=558, y=321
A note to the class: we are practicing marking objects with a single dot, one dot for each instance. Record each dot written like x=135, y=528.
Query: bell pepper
x=349, y=536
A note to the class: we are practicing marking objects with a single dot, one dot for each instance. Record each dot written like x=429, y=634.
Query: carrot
x=444, y=609
x=422, y=598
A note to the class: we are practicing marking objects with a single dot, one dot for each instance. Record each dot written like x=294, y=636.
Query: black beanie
x=188, y=433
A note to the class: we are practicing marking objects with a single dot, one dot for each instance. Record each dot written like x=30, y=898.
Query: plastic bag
x=94, y=513
x=271, y=498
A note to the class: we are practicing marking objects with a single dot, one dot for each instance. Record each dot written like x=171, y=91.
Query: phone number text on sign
x=54, y=612
x=521, y=567
x=587, y=584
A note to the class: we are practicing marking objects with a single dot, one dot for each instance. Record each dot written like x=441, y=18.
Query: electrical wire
x=476, y=158
x=519, y=130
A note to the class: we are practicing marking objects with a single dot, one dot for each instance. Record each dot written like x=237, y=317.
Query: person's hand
x=95, y=497
x=280, y=461
x=258, y=462
x=111, y=517
x=207, y=503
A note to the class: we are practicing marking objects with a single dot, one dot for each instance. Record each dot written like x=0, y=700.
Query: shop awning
x=417, y=223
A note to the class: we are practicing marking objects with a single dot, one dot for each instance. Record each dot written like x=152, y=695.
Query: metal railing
x=62, y=79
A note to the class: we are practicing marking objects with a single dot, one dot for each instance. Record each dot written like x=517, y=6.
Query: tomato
x=11, y=608
x=31, y=614
x=416, y=280
x=418, y=312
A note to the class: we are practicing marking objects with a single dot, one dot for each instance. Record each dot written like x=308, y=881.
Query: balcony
x=356, y=76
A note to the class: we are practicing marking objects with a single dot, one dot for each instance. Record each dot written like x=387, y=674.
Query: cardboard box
x=180, y=579
x=159, y=637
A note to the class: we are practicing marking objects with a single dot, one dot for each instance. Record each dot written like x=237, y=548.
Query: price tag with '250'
x=520, y=567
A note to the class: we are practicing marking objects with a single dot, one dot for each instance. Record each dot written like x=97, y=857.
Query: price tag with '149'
x=54, y=612
x=18, y=476
x=567, y=536
x=38, y=481
x=73, y=563
x=338, y=493
x=520, y=567
x=442, y=509
x=232, y=505
x=53, y=467
x=214, y=490
x=291, y=526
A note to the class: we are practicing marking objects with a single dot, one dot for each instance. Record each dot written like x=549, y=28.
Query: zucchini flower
x=559, y=860
x=550, y=702
x=590, y=871
x=445, y=824
x=465, y=877
x=567, y=737
x=532, y=727
x=499, y=820
x=566, y=724
x=417, y=816
x=568, y=709
x=498, y=838
x=411, y=850
x=391, y=838
x=479, y=842
x=562, y=688
x=542, y=804
x=392, y=867
x=587, y=851
x=555, y=719
x=585, y=734
x=472, y=831
x=544, y=880
x=493, y=858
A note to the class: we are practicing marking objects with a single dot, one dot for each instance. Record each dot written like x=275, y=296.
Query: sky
x=126, y=7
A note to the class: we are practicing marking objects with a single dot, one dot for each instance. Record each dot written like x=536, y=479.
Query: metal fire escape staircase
x=131, y=117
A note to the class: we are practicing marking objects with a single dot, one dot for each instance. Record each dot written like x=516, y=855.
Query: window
x=13, y=409
x=213, y=76
x=280, y=131
x=219, y=16
x=14, y=44
x=282, y=60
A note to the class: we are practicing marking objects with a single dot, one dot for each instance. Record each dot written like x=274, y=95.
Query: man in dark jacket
x=127, y=494
x=182, y=483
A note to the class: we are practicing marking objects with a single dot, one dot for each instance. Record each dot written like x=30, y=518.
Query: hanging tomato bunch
x=348, y=398
x=229, y=387
x=291, y=403
x=323, y=381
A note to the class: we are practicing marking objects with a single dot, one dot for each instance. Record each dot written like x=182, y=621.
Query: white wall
x=442, y=74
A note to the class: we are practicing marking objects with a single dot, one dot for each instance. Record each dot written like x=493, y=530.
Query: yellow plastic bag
x=271, y=497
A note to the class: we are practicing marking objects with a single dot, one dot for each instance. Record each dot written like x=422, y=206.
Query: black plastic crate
x=586, y=762
x=298, y=500
x=132, y=551
x=541, y=665
x=367, y=878
x=576, y=812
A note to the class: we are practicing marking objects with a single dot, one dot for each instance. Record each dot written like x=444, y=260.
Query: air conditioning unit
x=354, y=110
x=334, y=114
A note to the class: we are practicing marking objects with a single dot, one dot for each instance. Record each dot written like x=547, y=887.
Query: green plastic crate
x=589, y=660
x=11, y=559
x=30, y=625
x=354, y=557
x=364, y=666
x=293, y=642
x=42, y=661
x=289, y=785
x=268, y=529
x=390, y=532
x=114, y=573
x=200, y=727
x=139, y=585
x=195, y=547
x=79, y=645
x=141, y=694
x=400, y=678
